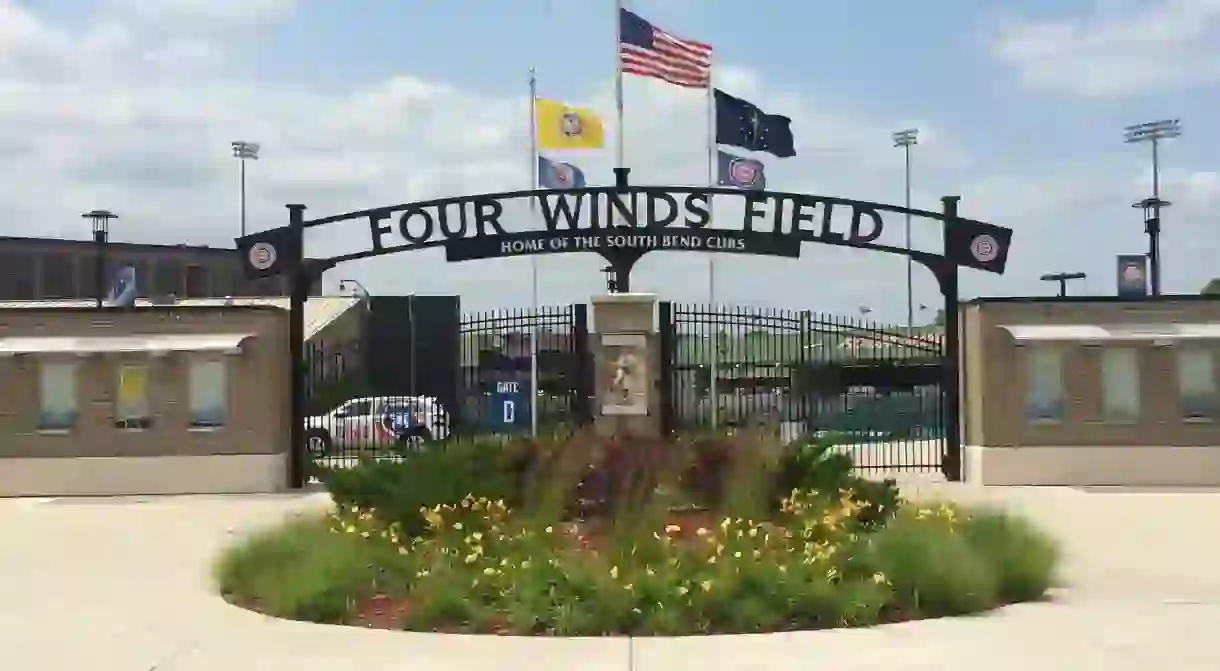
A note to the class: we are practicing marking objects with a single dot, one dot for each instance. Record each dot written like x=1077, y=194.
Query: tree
x=940, y=318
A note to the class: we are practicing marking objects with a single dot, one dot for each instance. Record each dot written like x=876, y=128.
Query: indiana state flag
x=563, y=127
x=557, y=175
x=740, y=123
x=743, y=173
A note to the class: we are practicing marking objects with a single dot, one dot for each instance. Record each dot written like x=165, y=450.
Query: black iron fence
x=505, y=351
x=871, y=388
x=380, y=395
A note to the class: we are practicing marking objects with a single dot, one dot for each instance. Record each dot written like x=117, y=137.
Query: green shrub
x=300, y=570
x=444, y=473
x=812, y=465
x=1023, y=556
x=932, y=567
x=482, y=567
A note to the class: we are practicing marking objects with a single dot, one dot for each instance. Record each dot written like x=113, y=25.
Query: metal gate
x=874, y=390
x=497, y=369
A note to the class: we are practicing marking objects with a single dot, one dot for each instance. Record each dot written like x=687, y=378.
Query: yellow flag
x=563, y=127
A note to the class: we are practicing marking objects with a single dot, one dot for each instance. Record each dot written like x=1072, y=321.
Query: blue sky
x=1021, y=108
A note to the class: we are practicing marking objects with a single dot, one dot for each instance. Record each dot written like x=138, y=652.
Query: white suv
x=376, y=422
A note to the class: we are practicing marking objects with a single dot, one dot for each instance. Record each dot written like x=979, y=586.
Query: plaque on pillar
x=624, y=382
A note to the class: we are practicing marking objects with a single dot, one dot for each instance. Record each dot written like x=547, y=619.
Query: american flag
x=648, y=51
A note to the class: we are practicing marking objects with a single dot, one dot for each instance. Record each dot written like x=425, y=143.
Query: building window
x=131, y=409
x=56, y=395
x=1198, y=396
x=197, y=282
x=1120, y=384
x=209, y=393
x=1044, y=394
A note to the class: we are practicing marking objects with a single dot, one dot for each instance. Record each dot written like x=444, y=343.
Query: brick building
x=55, y=269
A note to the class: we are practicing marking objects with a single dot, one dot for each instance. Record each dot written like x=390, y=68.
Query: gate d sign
x=508, y=408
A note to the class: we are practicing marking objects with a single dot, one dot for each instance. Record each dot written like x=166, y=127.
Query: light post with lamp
x=101, y=235
x=1152, y=226
x=1062, y=279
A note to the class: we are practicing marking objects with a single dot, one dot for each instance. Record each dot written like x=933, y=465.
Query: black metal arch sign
x=624, y=222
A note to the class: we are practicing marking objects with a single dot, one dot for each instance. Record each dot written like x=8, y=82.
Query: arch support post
x=951, y=387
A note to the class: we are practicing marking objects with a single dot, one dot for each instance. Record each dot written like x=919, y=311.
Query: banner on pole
x=1132, y=275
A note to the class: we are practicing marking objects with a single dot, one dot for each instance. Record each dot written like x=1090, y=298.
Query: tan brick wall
x=997, y=379
x=258, y=385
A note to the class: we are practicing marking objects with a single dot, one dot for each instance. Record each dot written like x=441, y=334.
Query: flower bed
x=821, y=558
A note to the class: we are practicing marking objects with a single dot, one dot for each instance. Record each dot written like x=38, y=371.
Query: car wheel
x=317, y=442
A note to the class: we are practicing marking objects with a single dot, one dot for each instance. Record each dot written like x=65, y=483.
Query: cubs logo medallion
x=563, y=175
x=571, y=124
x=744, y=172
x=984, y=248
x=262, y=255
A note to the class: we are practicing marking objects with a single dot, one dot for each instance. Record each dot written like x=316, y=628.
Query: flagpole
x=711, y=261
x=619, y=146
x=534, y=258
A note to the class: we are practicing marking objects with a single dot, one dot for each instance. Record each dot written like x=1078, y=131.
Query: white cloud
x=1117, y=51
x=134, y=112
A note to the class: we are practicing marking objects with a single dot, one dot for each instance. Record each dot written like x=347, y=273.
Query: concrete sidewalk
x=124, y=585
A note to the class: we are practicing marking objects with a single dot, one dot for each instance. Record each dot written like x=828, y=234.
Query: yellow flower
x=737, y=555
x=472, y=558
x=351, y=529
x=549, y=530
x=402, y=550
x=457, y=526
x=614, y=572
x=525, y=564
x=364, y=534
x=701, y=531
x=706, y=585
x=682, y=590
x=757, y=554
x=478, y=536
x=672, y=529
x=753, y=532
x=711, y=559
x=629, y=587
x=879, y=578
x=422, y=574
x=490, y=571
x=724, y=524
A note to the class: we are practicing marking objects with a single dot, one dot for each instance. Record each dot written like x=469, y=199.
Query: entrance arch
x=622, y=223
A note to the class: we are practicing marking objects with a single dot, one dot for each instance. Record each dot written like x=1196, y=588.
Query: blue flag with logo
x=740, y=123
x=738, y=171
x=559, y=175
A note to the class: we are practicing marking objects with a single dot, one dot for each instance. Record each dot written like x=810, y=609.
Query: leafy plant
x=444, y=473
x=1023, y=556
x=299, y=570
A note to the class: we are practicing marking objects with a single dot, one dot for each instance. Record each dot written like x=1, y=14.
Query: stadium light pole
x=1153, y=132
x=1062, y=279
x=243, y=150
x=101, y=235
x=907, y=139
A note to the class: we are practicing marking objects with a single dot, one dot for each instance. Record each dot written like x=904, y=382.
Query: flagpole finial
x=620, y=177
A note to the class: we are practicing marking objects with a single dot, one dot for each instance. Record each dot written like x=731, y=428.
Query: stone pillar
x=626, y=360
